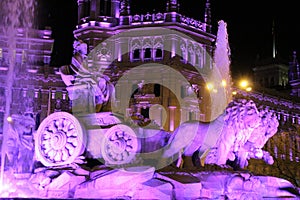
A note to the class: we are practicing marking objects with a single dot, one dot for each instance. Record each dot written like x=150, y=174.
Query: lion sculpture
x=218, y=140
x=258, y=138
x=19, y=148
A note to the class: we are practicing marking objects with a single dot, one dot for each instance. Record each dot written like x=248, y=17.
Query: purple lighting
x=143, y=110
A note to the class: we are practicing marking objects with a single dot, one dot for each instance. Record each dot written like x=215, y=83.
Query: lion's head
x=22, y=123
x=266, y=129
x=242, y=114
x=242, y=118
x=258, y=138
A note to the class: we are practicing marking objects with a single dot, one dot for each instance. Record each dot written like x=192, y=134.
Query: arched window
x=147, y=55
x=158, y=54
x=136, y=54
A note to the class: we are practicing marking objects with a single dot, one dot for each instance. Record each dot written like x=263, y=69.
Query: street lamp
x=244, y=84
x=224, y=83
x=249, y=89
x=209, y=86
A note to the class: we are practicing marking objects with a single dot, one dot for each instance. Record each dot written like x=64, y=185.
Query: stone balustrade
x=142, y=19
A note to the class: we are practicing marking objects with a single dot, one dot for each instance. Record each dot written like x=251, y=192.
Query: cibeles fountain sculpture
x=65, y=142
x=55, y=163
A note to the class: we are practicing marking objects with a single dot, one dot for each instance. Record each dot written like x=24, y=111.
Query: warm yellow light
x=248, y=89
x=244, y=83
x=224, y=83
x=9, y=119
x=209, y=86
x=234, y=92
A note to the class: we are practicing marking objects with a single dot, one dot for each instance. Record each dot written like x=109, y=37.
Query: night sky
x=249, y=25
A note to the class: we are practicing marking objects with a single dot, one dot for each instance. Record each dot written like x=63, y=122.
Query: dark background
x=249, y=24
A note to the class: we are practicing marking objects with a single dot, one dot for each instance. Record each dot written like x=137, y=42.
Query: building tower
x=172, y=6
x=274, y=40
x=294, y=76
x=100, y=10
x=124, y=12
x=207, y=17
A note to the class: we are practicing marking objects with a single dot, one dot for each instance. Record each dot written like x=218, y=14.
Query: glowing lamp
x=9, y=119
x=224, y=83
x=209, y=86
x=248, y=89
x=244, y=84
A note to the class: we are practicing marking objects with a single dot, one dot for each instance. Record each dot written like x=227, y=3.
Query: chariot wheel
x=119, y=145
x=60, y=139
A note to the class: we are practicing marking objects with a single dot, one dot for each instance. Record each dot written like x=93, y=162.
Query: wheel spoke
x=52, y=128
x=73, y=141
x=129, y=148
x=71, y=133
x=65, y=154
x=46, y=144
x=70, y=148
x=46, y=151
x=52, y=154
x=47, y=135
x=66, y=125
x=58, y=156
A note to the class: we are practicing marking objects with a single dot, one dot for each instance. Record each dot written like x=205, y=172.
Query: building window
x=191, y=115
x=2, y=99
x=136, y=54
x=158, y=54
x=197, y=60
x=145, y=112
x=1, y=53
x=272, y=81
x=147, y=55
x=87, y=8
x=105, y=8
x=267, y=82
x=156, y=90
x=1, y=122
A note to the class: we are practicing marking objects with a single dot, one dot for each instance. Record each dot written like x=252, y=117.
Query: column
x=172, y=117
x=81, y=9
x=115, y=8
x=94, y=8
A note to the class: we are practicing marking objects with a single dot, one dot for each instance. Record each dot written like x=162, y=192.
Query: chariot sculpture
x=237, y=135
